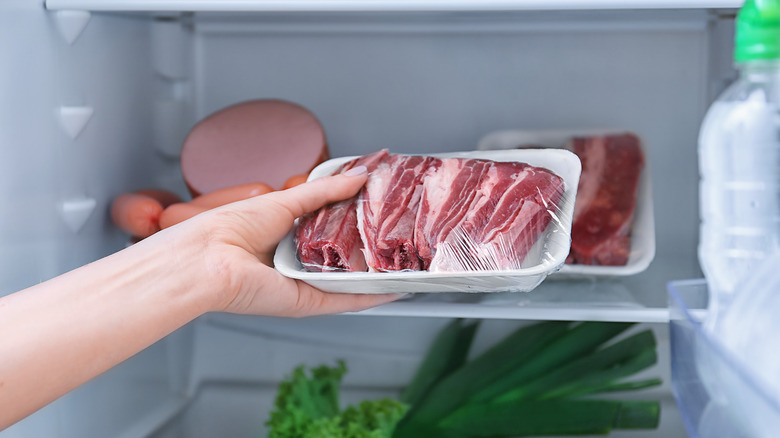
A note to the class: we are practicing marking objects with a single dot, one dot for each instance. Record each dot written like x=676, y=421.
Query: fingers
x=268, y=218
x=313, y=301
x=266, y=291
x=312, y=195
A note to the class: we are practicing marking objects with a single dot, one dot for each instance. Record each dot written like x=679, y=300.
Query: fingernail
x=355, y=171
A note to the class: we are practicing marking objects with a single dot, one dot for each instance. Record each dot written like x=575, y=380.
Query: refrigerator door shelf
x=715, y=394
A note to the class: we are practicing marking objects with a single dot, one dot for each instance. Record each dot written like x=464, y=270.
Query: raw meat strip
x=484, y=215
x=387, y=210
x=328, y=239
x=606, y=199
x=508, y=226
x=447, y=196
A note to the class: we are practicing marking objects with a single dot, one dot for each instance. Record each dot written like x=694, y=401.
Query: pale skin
x=59, y=334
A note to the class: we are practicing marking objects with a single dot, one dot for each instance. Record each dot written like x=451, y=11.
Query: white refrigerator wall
x=95, y=104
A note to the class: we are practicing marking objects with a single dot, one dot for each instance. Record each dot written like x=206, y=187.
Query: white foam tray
x=545, y=257
x=643, y=228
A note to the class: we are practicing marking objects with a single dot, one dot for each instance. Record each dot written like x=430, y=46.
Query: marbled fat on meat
x=447, y=197
x=513, y=204
x=387, y=210
x=328, y=239
x=426, y=213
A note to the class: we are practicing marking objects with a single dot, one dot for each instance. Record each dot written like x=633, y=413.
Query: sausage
x=182, y=211
x=164, y=197
x=138, y=213
x=179, y=212
x=231, y=194
x=295, y=180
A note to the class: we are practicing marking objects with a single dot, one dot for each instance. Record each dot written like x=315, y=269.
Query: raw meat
x=494, y=213
x=328, y=239
x=448, y=196
x=425, y=213
x=606, y=199
x=387, y=211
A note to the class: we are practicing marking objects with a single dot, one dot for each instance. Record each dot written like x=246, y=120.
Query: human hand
x=239, y=241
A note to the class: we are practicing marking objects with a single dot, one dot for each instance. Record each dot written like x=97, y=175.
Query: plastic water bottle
x=739, y=161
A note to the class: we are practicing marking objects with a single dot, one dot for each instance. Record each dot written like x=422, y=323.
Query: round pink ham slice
x=264, y=140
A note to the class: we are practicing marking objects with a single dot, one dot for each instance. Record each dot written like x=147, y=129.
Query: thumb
x=314, y=194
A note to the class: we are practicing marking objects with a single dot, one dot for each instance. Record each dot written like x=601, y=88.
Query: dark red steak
x=606, y=199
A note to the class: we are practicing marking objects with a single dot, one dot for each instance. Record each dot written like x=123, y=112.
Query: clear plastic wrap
x=480, y=221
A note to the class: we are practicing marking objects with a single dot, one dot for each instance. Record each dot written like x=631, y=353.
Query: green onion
x=452, y=391
x=533, y=382
x=449, y=352
x=632, y=386
x=638, y=415
x=580, y=340
x=591, y=373
x=549, y=417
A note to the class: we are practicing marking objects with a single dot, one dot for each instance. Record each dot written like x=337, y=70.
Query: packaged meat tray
x=617, y=157
x=443, y=263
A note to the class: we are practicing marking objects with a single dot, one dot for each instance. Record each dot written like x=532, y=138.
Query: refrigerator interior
x=98, y=97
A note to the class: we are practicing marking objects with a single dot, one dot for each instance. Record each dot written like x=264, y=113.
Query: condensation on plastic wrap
x=479, y=221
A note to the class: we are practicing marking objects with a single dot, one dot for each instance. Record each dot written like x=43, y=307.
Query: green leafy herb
x=308, y=407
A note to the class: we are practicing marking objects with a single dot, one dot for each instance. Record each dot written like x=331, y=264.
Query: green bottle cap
x=758, y=31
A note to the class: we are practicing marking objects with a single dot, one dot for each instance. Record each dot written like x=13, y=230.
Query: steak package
x=612, y=226
x=606, y=198
x=424, y=213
